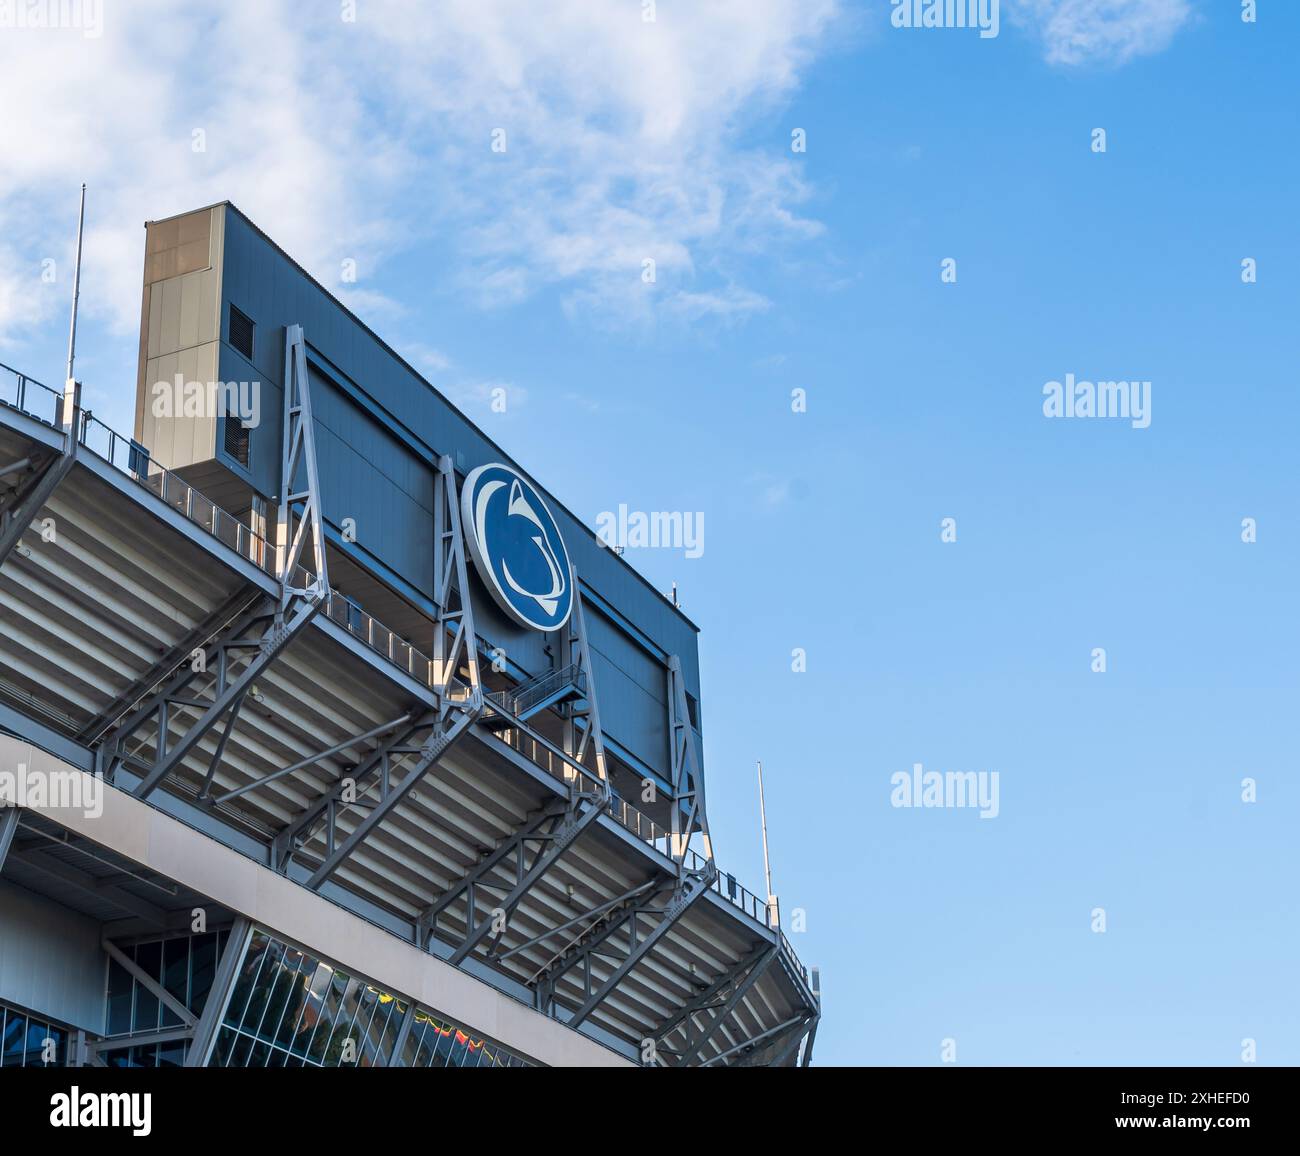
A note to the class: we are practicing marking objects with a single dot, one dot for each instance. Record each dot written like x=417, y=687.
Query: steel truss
x=509, y=872
x=40, y=476
x=200, y=638
x=576, y=653
x=433, y=731
x=623, y=934
x=249, y=644
x=454, y=637
x=299, y=511
x=686, y=773
x=720, y=998
x=242, y=653
x=524, y=857
x=787, y=1036
x=445, y=725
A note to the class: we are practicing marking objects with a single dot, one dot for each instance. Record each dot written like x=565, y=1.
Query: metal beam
x=403, y=1034
x=223, y=983
x=27, y=500
x=454, y=636
x=592, y=913
x=806, y=1058
x=228, y=692
x=390, y=795
x=600, y=940
x=753, y=1042
x=301, y=829
x=553, y=830
x=139, y=1040
x=310, y=760
x=162, y=696
x=796, y=1038
x=708, y=996
x=8, y=828
x=187, y=1017
x=181, y=654
x=575, y=651
x=299, y=457
x=742, y=982
x=686, y=772
x=87, y=885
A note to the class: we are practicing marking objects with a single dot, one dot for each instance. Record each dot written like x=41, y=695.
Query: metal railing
x=564, y=768
x=39, y=401
x=32, y=397
x=523, y=700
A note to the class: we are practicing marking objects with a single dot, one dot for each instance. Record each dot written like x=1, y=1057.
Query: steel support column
x=686, y=772
x=574, y=651
x=796, y=1038
x=806, y=1058
x=403, y=1034
x=8, y=829
x=301, y=829
x=223, y=983
x=299, y=510
x=31, y=494
x=454, y=639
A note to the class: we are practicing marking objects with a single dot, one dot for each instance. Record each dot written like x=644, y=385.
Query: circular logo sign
x=516, y=547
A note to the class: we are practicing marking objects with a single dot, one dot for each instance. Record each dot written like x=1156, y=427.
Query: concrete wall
x=180, y=327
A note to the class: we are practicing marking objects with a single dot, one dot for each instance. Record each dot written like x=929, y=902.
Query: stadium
x=332, y=738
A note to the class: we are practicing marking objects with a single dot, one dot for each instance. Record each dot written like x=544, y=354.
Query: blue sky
x=820, y=270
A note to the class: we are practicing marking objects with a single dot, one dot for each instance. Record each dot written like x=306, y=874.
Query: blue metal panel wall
x=50, y=959
x=380, y=426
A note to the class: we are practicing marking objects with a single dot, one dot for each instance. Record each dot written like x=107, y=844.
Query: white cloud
x=1102, y=31
x=426, y=358
x=497, y=397
x=350, y=140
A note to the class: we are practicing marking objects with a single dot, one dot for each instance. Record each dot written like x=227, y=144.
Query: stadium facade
x=328, y=736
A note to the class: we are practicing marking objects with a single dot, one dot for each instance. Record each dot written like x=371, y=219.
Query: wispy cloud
x=353, y=140
x=1101, y=31
x=480, y=397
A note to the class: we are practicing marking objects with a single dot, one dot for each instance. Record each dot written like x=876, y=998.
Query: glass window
x=291, y=1008
x=28, y=1040
x=185, y=966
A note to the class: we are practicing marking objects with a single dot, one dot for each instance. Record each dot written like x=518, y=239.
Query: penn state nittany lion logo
x=516, y=547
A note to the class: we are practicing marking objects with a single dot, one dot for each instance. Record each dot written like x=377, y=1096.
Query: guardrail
x=564, y=768
x=38, y=400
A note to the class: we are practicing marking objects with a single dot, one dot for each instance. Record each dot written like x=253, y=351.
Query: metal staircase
x=507, y=708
